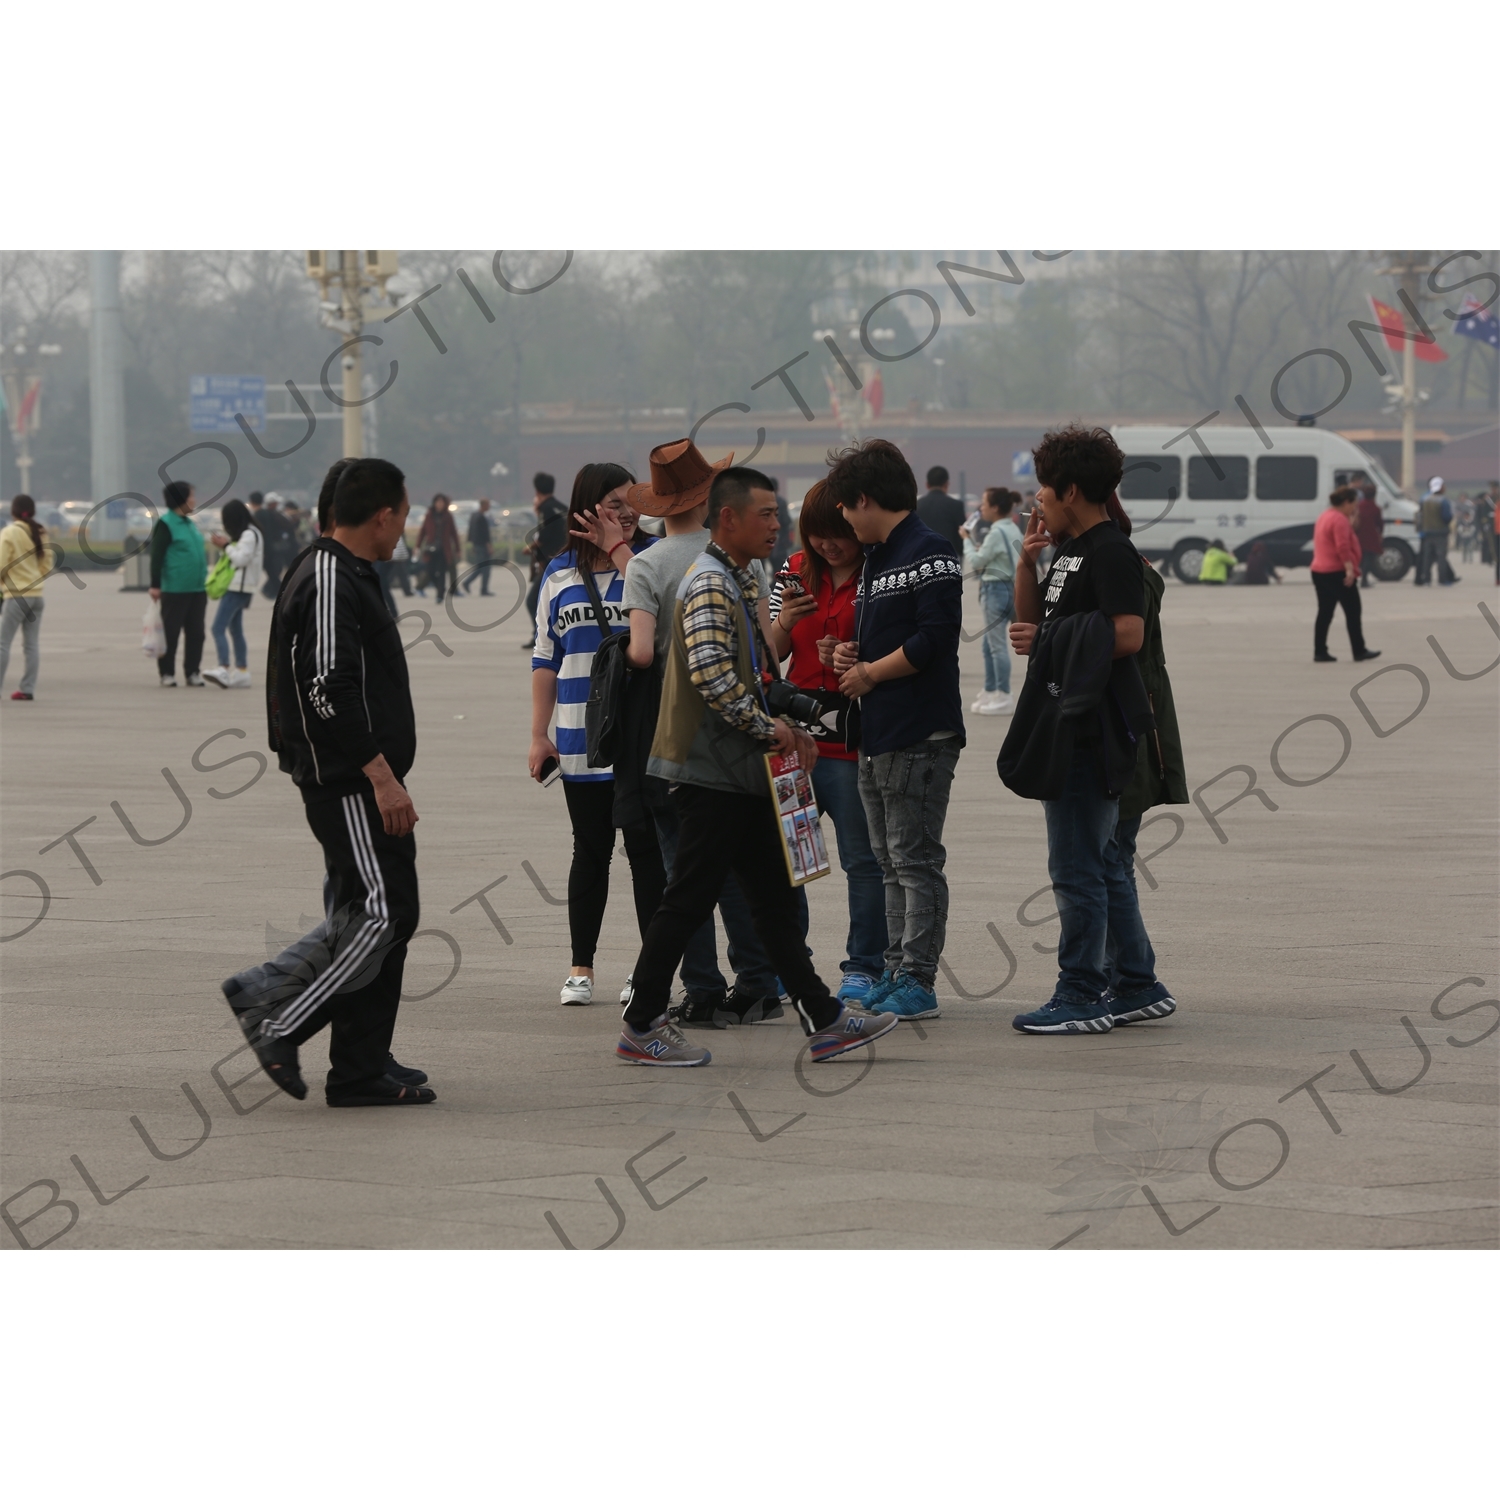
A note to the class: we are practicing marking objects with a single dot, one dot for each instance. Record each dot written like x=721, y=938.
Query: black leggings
x=591, y=806
x=1332, y=594
x=182, y=614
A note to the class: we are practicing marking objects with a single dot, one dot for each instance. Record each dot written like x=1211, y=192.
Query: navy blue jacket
x=911, y=596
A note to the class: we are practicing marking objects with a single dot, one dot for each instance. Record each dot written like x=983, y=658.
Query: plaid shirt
x=711, y=620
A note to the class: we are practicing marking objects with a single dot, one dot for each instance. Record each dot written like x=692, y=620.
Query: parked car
x=1250, y=491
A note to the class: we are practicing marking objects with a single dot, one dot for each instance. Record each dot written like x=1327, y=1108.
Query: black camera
x=807, y=709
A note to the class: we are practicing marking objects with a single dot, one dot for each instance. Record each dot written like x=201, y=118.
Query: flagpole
x=1409, y=284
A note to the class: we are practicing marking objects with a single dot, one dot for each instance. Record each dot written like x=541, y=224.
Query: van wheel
x=1394, y=562
x=1187, y=560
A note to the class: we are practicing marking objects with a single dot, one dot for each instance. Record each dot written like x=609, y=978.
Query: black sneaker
x=1366, y=655
x=413, y=1077
x=278, y=1059
x=747, y=1010
x=702, y=1012
x=378, y=1092
x=1325, y=657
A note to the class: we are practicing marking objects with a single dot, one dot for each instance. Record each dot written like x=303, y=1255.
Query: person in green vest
x=1218, y=563
x=179, y=578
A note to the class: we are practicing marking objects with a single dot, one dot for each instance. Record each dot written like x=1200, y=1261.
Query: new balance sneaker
x=1149, y=1004
x=850, y=1030
x=908, y=1000
x=578, y=989
x=664, y=1046
x=878, y=991
x=1062, y=1015
x=856, y=986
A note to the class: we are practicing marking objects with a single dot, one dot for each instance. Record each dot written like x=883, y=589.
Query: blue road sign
x=214, y=400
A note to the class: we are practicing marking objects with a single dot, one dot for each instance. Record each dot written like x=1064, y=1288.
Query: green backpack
x=220, y=576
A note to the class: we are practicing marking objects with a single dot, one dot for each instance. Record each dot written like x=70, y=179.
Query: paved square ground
x=1334, y=925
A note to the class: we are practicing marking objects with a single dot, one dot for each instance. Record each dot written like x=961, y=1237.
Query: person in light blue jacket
x=994, y=560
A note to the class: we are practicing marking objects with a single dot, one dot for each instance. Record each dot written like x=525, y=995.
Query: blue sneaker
x=1149, y=1004
x=877, y=991
x=856, y=986
x=908, y=1000
x=1061, y=1015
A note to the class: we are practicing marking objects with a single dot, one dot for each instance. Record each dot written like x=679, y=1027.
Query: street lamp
x=23, y=401
x=343, y=277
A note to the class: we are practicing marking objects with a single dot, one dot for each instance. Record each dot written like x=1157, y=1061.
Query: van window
x=1157, y=476
x=1204, y=484
x=1286, y=479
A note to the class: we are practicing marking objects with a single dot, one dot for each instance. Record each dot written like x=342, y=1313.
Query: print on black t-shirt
x=1098, y=570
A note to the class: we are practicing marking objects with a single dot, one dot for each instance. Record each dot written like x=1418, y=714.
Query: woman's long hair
x=23, y=508
x=592, y=484
x=236, y=517
x=821, y=516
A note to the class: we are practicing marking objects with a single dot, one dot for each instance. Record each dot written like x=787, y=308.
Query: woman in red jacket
x=1335, y=574
x=812, y=601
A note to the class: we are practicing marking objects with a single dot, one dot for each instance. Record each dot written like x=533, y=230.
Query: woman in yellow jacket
x=25, y=562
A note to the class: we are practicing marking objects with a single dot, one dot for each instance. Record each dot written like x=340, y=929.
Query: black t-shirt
x=1098, y=570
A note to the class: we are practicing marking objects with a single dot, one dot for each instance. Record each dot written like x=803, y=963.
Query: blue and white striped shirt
x=566, y=639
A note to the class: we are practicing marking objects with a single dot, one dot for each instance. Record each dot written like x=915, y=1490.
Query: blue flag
x=1476, y=323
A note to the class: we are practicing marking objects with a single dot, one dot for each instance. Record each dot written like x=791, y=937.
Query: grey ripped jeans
x=905, y=793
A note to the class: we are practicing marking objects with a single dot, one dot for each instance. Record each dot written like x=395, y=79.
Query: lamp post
x=23, y=400
x=344, y=276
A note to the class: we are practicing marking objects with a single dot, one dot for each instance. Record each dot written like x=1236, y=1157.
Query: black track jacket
x=337, y=692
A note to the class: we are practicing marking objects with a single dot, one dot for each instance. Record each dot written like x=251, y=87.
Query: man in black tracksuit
x=342, y=723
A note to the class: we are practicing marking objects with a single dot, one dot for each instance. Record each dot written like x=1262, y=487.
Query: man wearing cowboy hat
x=678, y=494
x=711, y=740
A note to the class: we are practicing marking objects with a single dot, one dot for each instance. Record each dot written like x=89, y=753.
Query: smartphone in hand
x=549, y=771
x=790, y=581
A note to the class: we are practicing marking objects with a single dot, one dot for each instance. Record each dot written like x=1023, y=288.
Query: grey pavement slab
x=1350, y=931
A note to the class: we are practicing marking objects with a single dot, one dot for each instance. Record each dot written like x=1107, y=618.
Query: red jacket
x=1334, y=543
x=1370, y=525
x=834, y=616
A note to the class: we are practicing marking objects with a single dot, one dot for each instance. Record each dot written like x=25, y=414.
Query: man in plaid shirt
x=711, y=740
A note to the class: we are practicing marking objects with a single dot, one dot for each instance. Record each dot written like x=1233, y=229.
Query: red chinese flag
x=875, y=395
x=1393, y=326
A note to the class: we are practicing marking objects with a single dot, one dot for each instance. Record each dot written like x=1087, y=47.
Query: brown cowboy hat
x=680, y=479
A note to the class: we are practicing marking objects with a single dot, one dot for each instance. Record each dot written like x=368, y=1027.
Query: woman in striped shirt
x=603, y=528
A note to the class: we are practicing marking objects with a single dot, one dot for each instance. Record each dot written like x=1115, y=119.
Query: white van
x=1247, y=493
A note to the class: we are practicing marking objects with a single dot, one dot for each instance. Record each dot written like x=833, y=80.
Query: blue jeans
x=1129, y=960
x=836, y=785
x=905, y=793
x=753, y=975
x=227, y=626
x=1093, y=888
x=997, y=600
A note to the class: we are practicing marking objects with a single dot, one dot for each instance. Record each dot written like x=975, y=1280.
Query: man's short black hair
x=256, y=498
x=1086, y=456
x=936, y=475
x=366, y=487
x=325, y=495
x=732, y=487
x=543, y=484
x=176, y=493
x=875, y=468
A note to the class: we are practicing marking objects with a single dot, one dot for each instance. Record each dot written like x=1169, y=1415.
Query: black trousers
x=481, y=571
x=591, y=808
x=182, y=614
x=350, y=979
x=1332, y=594
x=719, y=832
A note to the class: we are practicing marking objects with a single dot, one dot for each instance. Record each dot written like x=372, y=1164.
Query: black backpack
x=603, y=713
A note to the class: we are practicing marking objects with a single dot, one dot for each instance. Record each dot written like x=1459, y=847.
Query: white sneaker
x=239, y=677
x=217, y=675
x=195, y=679
x=628, y=993
x=578, y=989
x=167, y=682
x=1000, y=703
